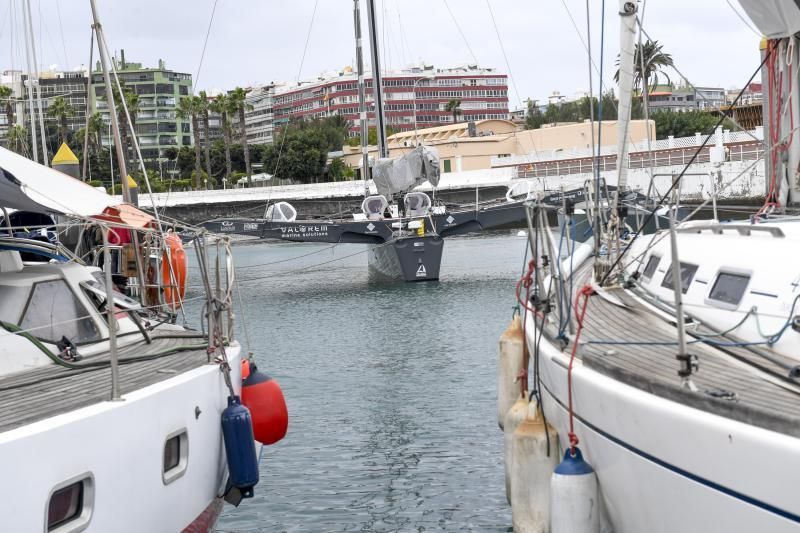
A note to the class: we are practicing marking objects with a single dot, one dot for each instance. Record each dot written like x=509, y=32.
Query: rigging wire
x=297, y=80
x=460, y=31
x=61, y=30
x=205, y=44
x=744, y=20
x=503, y=50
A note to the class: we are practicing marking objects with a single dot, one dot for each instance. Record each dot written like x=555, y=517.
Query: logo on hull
x=421, y=272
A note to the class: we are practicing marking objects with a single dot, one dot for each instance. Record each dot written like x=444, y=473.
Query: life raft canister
x=264, y=398
x=174, y=267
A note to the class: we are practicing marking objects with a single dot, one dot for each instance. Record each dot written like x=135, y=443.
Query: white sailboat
x=673, y=361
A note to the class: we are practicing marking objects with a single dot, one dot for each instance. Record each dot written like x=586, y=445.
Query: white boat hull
x=666, y=467
x=121, y=444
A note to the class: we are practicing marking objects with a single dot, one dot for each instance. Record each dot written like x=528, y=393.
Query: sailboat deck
x=636, y=346
x=45, y=392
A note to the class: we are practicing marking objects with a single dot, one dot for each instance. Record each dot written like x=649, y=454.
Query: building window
x=446, y=165
x=183, y=90
x=176, y=456
x=69, y=507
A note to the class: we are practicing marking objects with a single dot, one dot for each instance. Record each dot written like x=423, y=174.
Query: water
x=391, y=389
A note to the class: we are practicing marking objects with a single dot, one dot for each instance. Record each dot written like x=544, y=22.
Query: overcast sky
x=259, y=41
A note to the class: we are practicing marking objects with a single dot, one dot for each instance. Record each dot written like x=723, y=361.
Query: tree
x=202, y=105
x=372, y=137
x=6, y=97
x=686, y=123
x=222, y=105
x=534, y=118
x=132, y=103
x=188, y=109
x=61, y=110
x=238, y=100
x=96, y=127
x=655, y=60
x=454, y=107
x=18, y=139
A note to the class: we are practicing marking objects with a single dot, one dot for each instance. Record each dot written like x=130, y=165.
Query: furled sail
x=774, y=18
x=400, y=174
x=627, y=35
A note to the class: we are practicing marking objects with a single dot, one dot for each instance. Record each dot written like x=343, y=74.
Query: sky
x=261, y=41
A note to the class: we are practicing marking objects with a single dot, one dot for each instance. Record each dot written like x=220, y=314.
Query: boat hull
x=121, y=446
x=407, y=259
x=664, y=466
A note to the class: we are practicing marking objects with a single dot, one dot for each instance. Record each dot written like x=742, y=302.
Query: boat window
x=687, y=275
x=729, y=288
x=70, y=506
x=176, y=456
x=54, y=312
x=12, y=301
x=650, y=269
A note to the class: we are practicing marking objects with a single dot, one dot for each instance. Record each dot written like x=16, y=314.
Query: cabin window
x=687, y=275
x=70, y=506
x=650, y=269
x=729, y=288
x=176, y=456
x=54, y=312
x=12, y=301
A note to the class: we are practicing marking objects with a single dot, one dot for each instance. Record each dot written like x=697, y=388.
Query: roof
x=64, y=156
x=461, y=129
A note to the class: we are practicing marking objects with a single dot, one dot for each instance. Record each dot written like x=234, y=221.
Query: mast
x=377, y=80
x=627, y=34
x=38, y=87
x=123, y=171
x=29, y=61
x=362, y=98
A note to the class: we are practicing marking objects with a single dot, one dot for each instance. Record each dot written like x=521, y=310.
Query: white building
x=258, y=120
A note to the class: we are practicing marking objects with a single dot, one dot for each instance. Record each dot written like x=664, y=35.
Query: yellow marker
x=421, y=228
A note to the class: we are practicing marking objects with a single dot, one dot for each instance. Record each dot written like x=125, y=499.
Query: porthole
x=176, y=456
x=728, y=289
x=687, y=275
x=69, y=507
x=650, y=269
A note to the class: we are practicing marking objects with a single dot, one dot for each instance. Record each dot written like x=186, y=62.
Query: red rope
x=775, y=81
x=585, y=292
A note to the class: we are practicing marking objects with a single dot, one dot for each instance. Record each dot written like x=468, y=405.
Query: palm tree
x=6, y=97
x=454, y=107
x=188, y=108
x=96, y=128
x=203, y=110
x=18, y=139
x=655, y=60
x=238, y=99
x=222, y=105
x=61, y=110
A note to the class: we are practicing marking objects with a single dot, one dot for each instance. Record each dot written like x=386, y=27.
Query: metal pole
x=88, y=111
x=377, y=80
x=686, y=359
x=38, y=87
x=112, y=318
x=30, y=63
x=362, y=98
x=123, y=171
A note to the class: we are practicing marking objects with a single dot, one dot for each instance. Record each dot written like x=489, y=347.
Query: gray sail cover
x=773, y=18
x=400, y=174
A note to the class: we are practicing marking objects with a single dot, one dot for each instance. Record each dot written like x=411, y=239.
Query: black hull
x=407, y=259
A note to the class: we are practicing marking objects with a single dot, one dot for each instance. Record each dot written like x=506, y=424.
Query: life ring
x=174, y=267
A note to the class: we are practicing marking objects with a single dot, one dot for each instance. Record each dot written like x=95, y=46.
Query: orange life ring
x=174, y=281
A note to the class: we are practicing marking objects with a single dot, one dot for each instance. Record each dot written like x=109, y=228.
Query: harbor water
x=390, y=387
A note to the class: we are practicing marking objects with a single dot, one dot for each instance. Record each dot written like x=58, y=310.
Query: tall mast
x=123, y=171
x=377, y=81
x=362, y=98
x=29, y=61
x=38, y=87
x=627, y=35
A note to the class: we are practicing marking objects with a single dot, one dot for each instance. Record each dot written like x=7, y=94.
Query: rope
x=584, y=293
x=205, y=43
x=503, y=50
x=460, y=31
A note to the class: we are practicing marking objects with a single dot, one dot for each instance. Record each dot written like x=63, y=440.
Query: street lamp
x=414, y=92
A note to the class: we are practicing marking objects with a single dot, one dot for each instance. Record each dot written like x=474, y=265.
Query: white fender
x=509, y=363
x=574, y=498
x=515, y=415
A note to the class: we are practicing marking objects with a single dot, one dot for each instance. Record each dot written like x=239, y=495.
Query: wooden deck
x=41, y=393
x=734, y=382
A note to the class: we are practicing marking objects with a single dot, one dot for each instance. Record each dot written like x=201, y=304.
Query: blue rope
x=674, y=343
